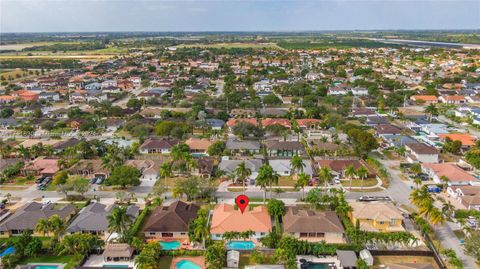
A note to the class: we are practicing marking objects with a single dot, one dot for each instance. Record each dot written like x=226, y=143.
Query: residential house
x=377, y=216
x=308, y=124
x=454, y=174
x=284, y=167
x=168, y=222
x=215, y=124
x=387, y=129
x=229, y=166
x=468, y=195
x=467, y=140
x=277, y=148
x=41, y=166
x=338, y=166
x=93, y=219
x=424, y=99
x=243, y=147
x=157, y=145
x=26, y=217
x=452, y=99
x=198, y=146
x=420, y=152
x=226, y=218
x=150, y=170
x=313, y=226
x=274, y=121
x=89, y=168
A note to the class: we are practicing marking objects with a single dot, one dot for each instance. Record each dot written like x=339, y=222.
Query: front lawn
x=358, y=183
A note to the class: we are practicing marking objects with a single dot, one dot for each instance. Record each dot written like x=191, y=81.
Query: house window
x=381, y=222
x=312, y=234
x=303, y=234
x=393, y=221
x=183, y=233
x=152, y=233
x=262, y=234
x=167, y=234
x=320, y=234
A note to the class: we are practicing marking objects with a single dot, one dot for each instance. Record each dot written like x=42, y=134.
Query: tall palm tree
x=165, y=170
x=418, y=182
x=325, y=175
x=24, y=152
x=350, y=173
x=242, y=172
x=119, y=220
x=266, y=177
x=445, y=180
x=297, y=164
x=432, y=111
x=302, y=181
x=362, y=173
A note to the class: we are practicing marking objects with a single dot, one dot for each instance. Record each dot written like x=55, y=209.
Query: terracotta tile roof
x=450, y=170
x=226, y=218
x=198, y=144
x=283, y=122
x=425, y=97
x=466, y=139
x=307, y=122
x=233, y=122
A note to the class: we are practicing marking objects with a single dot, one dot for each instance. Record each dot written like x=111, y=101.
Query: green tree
x=148, y=257
x=119, y=221
x=302, y=182
x=266, y=177
x=123, y=176
x=472, y=244
x=215, y=256
x=350, y=173
x=216, y=149
x=76, y=243
x=242, y=172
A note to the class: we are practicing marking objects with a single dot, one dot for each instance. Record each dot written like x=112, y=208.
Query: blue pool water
x=317, y=266
x=46, y=267
x=9, y=250
x=170, y=245
x=185, y=264
x=241, y=245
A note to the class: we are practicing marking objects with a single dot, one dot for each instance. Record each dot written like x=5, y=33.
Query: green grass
x=358, y=183
x=165, y=262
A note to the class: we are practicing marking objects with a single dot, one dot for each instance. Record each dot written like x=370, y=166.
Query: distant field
x=59, y=56
x=21, y=46
x=12, y=73
x=239, y=45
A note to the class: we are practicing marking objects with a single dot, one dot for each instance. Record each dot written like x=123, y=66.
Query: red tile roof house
x=419, y=152
x=455, y=174
x=228, y=219
x=282, y=122
x=308, y=124
x=425, y=99
x=233, y=122
x=452, y=99
x=41, y=166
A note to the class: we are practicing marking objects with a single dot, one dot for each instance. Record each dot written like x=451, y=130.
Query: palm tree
x=362, y=173
x=445, y=180
x=242, y=172
x=448, y=209
x=119, y=220
x=297, y=164
x=5, y=149
x=165, y=170
x=418, y=182
x=57, y=226
x=350, y=173
x=266, y=176
x=325, y=175
x=43, y=226
x=431, y=110
x=24, y=152
x=302, y=181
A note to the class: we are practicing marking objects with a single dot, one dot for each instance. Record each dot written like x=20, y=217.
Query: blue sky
x=235, y=15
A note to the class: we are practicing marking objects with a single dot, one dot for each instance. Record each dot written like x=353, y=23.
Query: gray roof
x=281, y=165
x=234, y=144
x=27, y=216
x=229, y=166
x=94, y=218
x=215, y=122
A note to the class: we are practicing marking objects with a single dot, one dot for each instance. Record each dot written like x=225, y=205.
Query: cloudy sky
x=235, y=15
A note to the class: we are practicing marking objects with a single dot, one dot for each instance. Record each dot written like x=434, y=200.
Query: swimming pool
x=172, y=245
x=9, y=250
x=241, y=245
x=186, y=264
x=46, y=267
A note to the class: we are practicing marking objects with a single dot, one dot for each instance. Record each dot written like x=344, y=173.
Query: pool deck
x=97, y=261
x=200, y=261
x=326, y=259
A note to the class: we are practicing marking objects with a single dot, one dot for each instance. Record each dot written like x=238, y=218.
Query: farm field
x=232, y=45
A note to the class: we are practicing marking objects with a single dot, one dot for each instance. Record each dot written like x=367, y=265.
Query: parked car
x=41, y=187
x=93, y=180
x=39, y=180
x=99, y=180
x=434, y=189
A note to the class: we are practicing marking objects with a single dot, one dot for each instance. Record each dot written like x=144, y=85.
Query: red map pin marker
x=242, y=202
